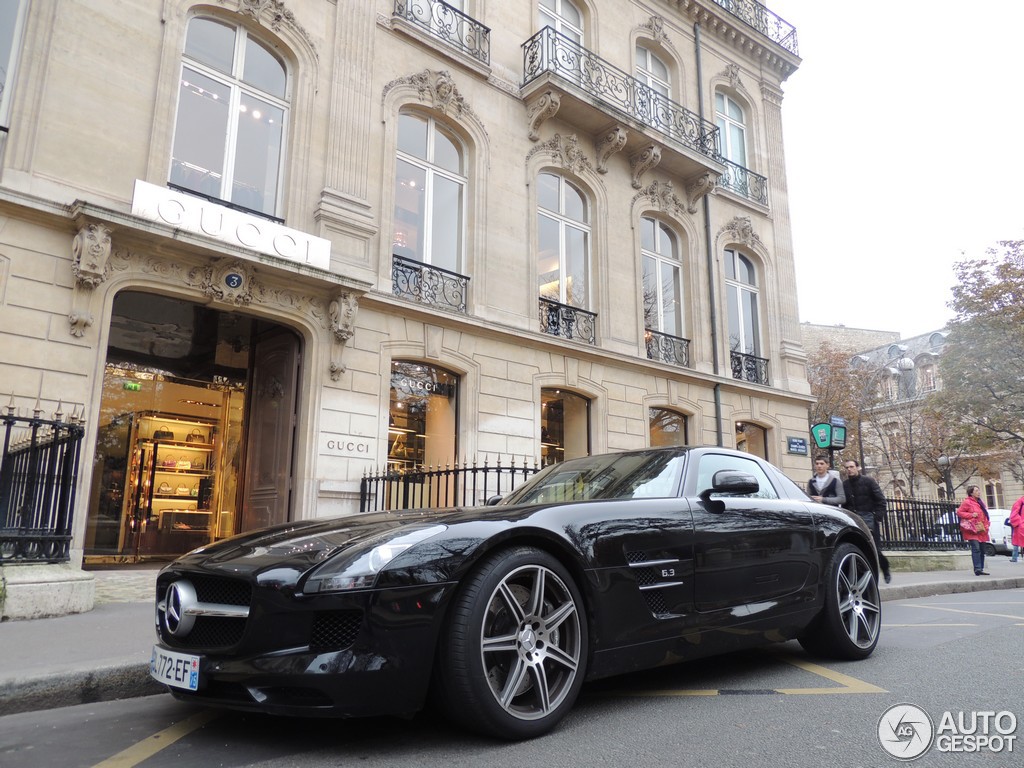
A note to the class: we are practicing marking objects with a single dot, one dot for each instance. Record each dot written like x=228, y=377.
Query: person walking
x=974, y=524
x=826, y=486
x=865, y=498
x=1017, y=526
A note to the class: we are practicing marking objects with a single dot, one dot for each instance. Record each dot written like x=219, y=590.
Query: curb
x=68, y=689
x=904, y=592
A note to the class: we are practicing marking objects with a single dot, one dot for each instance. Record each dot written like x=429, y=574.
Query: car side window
x=710, y=463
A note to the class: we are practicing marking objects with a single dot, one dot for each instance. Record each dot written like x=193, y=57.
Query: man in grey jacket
x=826, y=486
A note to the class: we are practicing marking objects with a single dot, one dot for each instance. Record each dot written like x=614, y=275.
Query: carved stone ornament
x=662, y=196
x=566, y=152
x=611, y=142
x=644, y=160
x=698, y=188
x=270, y=13
x=231, y=282
x=541, y=110
x=341, y=314
x=437, y=89
x=732, y=73
x=79, y=322
x=655, y=27
x=742, y=231
x=90, y=251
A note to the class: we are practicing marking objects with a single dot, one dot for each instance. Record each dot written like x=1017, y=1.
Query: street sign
x=838, y=437
x=797, y=445
x=822, y=434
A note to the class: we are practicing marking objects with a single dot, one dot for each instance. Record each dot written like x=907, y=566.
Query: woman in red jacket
x=974, y=526
x=1017, y=525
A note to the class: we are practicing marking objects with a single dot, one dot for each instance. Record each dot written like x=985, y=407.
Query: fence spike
x=59, y=414
x=10, y=405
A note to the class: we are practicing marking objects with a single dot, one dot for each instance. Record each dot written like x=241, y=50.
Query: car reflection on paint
x=496, y=615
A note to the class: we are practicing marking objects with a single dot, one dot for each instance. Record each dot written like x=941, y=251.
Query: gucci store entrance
x=196, y=429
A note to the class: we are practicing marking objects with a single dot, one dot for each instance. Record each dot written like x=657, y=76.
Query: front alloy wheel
x=849, y=624
x=515, y=654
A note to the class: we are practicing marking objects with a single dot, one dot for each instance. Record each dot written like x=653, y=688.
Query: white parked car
x=947, y=527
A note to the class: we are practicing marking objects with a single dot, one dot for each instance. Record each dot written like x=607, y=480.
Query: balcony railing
x=567, y=322
x=749, y=368
x=550, y=52
x=440, y=20
x=772, y=26
x=667, y=349
x=744, y=181
x=38, y=475
x=428, y=285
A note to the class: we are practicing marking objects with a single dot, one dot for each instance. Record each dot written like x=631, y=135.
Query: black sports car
x=498, y=614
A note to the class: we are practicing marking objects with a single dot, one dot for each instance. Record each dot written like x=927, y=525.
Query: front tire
x=849, y=624
x=513, y=657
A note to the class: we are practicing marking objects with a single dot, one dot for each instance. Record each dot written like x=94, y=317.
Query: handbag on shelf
x=181, y=490
x=183, y=463
x=169, y=463
x=164, y=488
x=163, y=432
x=195, y=436
x=194, y=491
x=199, y=462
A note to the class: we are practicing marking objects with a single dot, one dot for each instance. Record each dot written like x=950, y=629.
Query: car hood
x=281, y=554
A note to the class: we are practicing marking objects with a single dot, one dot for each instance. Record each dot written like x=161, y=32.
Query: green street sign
x=838, y=437
x=822, y=434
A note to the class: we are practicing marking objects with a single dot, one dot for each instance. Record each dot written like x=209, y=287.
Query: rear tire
x=513, y=657
x=849, y=624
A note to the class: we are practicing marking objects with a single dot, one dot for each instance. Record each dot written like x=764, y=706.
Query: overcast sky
x=903, y=134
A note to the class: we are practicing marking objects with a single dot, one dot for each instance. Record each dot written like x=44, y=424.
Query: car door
x=749, y=551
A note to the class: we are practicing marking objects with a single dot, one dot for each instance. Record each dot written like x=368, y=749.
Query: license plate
x=171, y=668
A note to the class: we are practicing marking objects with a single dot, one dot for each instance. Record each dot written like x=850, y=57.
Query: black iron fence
x=428, y=285
x=926, y=524
x=459, y=486
x=38, y=475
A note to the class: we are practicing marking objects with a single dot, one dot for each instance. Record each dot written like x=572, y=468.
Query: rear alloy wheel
x=849, y=624
x=514, y=657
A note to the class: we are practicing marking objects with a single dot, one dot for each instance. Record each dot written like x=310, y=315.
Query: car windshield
x=623, y=476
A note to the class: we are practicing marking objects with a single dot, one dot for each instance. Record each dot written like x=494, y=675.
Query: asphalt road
x=779, y=707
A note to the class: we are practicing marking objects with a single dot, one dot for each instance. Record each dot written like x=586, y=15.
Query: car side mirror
x=492, y=500
x=731, y=482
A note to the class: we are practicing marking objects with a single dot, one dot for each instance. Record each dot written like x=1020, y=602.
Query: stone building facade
x=263, y=247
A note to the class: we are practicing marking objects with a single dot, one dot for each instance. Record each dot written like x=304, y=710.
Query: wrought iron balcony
x=749, y=368
x=428, y=285
x=745, y=182
x=568, y=322
x=585, y=80
x=667, y=349
x=769, y=24
x=440, y=20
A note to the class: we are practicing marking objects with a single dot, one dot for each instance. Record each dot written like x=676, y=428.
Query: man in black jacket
x=864, y=497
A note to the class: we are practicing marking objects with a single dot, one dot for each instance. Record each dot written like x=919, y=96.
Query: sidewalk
x=104, y=654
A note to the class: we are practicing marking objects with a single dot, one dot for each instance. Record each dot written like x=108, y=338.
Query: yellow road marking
x=969, y=613
x=146, y=748
x=846, y=683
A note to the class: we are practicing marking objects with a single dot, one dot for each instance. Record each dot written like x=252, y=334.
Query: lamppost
x=947, y=475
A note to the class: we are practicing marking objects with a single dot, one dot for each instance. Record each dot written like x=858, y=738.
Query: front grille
x=334, y=630
x=209, y=632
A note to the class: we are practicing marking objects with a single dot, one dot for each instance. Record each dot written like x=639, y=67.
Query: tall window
x=652, y=72
x=563, y=241
x=741, y=293
x=430, y=186
x=563, y=17
x=232, y=107
x=731, y=124
x=662, y=286
x=564, y=426
x=12, y=16
x=422, y=415
x=994, y=495
x=667, y=427
x=752, y=438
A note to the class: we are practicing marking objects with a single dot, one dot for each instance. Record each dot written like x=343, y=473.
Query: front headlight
x=359, y=569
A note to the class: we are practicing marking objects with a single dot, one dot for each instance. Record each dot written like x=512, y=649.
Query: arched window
x=564, y=426
x=667, y=427
x=742, y=294
x=422, y=415
x=752, y=438
x=229, y=132
x=659, y=251
x=732, y=127
x=563, y=241
x=563, y=17
x=652, y=72
x=430, y=189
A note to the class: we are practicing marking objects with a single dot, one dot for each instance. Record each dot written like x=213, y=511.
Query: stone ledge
x=913, y=561
x=65, y=690
x=42, y=591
